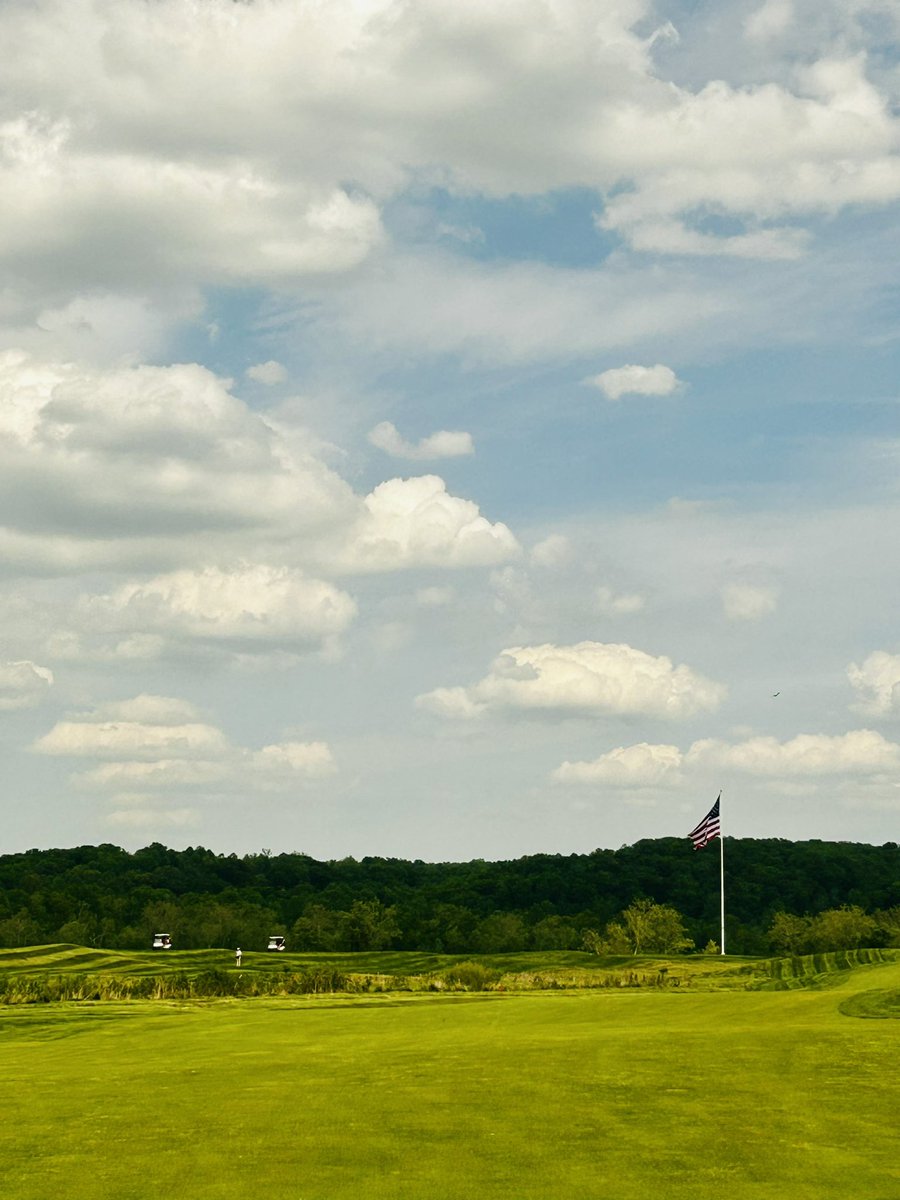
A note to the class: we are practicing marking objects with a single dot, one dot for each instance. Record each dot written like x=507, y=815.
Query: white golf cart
x=275, y=943
x=162, y=941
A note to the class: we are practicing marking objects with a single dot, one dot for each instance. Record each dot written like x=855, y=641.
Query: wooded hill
x=105, y=896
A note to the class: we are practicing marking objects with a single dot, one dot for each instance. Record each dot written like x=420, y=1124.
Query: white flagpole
x=721, y=877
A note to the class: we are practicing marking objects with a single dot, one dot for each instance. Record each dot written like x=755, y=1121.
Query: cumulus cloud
x=877, y=682
x=443, y=444
x=132, y=741
x=748, y=602
x=826, y=146
x=223, y=220
x=416, y=522
x=642, y=765
x=23, y=685
x=159, y=745
x=280, y=765
x=810, y=756
x=587, y=678
x=98, y=467
x=636, y=381
x=251, y=606
x=860, y=751
x=225, y=158
x=123, y=467
x=269, y=373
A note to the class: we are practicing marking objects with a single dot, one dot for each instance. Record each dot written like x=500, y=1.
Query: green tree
x=554, y=933
x=613, y=940
x=20, y=930
x=789, y=934
x=887, y=922
x=82, y=930
x=369, y=925
x=844, y=928
x=319, y=928
x=655, y=928
x=500, y=933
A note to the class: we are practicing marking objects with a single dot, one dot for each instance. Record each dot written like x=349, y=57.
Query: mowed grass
x=613, y=1094
x=567, y=966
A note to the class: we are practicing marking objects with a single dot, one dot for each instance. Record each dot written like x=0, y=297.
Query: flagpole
x=722, y=888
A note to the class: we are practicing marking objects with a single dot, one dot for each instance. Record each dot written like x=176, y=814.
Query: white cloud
x=150, y=746
x=770, y=20
x=878, y=683
x=763, y=154
x=636, y=381
x=859, y=752
x=281, y=764
x=443, y=444
x=102, y=467
x=221, y=220
x=125, y=467
x=221, y=157
x=748, y=602
x=23, y=685
x=269, y=373
x=587, y=678
x=453, y=702
x=247, y=606
x=552, y=551
x=642, y=765
x=416, y=522
x=617, y=604
x=131, y=740
x=671, y=237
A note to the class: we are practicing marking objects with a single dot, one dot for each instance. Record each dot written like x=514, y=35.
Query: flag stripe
x=708, y=828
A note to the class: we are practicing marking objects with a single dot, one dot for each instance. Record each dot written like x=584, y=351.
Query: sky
x=443, y=430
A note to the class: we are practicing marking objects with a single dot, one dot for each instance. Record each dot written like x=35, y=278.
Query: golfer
x=237, y=957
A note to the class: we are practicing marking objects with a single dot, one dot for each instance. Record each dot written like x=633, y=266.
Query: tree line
x=791, y=897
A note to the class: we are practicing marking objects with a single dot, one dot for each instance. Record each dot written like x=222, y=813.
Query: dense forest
x=777, y=892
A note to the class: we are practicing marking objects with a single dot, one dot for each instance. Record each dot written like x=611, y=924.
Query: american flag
x=708, y=827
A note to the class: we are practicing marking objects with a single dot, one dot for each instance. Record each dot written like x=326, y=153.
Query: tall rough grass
x=211, y=983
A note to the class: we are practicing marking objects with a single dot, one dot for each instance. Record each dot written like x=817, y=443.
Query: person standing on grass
x=237, y=957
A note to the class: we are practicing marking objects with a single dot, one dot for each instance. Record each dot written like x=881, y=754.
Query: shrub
x=470, y=976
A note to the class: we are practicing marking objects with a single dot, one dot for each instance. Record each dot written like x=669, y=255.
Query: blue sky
x=440, y=430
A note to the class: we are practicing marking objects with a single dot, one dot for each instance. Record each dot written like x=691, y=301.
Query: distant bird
x=774, y=694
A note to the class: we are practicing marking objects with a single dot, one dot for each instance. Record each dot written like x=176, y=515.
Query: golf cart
x=275, y=943
x=162, y=941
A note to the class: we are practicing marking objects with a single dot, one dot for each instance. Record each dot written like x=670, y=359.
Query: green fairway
x=614, y=1093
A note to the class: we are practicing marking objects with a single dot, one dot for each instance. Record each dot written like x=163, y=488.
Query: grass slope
x=754, y=1095
x=394, y=969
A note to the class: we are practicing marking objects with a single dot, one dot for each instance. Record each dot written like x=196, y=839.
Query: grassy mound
x=878, y=1004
